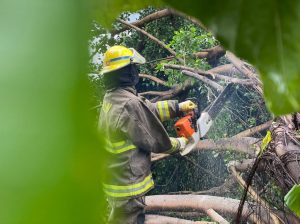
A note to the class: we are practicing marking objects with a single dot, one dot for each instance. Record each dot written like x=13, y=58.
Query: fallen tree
x=280, y=158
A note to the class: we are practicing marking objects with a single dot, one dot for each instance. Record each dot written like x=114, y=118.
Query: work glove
x=186, y=106
x=183, y=142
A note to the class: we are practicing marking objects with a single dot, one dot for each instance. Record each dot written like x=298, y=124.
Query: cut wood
x=215, y=216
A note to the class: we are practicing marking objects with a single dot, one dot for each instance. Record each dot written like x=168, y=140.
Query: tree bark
x=209, y=74
x=216, y=217
x=227, y=70
x=158, y=219
x=240, y=65
x=173, y=92
x=283, y=152
x=246, y=145
x=226, y=206
x=153, y=78
x=252, y=131
x=219, y=190
x=207, y=81
x=212, y=54
x=253, y=194
x=153, y=16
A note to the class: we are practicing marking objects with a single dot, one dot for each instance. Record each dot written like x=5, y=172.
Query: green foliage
x=186, y=41
x=264, y=33
x=191, y=39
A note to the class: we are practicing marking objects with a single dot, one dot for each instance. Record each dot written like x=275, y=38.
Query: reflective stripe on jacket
x=133, y=130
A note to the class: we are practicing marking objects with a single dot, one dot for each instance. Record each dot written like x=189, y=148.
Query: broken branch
x=158, y=219
x=215, y=216
x=146, y=19
x=153, y=78
x=252, y=131
x=162, y=44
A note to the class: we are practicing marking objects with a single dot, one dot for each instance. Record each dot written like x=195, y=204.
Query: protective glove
x=186, y=106
x=183, y=142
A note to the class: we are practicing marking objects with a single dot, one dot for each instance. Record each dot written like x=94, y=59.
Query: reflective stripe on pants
x=119, y=147
x=129, y=190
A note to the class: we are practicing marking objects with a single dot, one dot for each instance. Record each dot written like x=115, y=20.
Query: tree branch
x=162, y=44
x=253, y=130
x=227, y=69
x=175, y=91
x=153, y=78
x=219, y=190
x=246, y=145
x=158, y=219
x=209, y=82
x=216, y=217
x=253, y=194
x=210, y=74
x=190, y=18
x=201, y=203
x=212, y=55
x=240, y=65
x=242, y=165
x=157, y=93
x=182, y=214
x=153, y=16
x=181, y=67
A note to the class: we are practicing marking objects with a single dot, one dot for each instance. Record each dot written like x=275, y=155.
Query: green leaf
x=292, y=199
x=266, y=33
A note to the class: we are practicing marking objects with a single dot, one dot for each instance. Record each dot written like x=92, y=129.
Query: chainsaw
x=194, y=126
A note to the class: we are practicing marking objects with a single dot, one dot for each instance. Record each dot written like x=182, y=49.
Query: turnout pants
x=128, y=211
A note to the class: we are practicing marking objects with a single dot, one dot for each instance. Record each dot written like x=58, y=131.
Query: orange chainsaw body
x=184, y=126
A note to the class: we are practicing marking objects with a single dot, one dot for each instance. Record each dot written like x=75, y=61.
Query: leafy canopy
x=265, y=33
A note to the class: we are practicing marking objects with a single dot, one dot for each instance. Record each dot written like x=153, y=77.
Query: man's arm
x=145, y=130
x=164, y=110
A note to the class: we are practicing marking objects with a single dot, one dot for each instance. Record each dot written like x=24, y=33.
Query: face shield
x=136, y=58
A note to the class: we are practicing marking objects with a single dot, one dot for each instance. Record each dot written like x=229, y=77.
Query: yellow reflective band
x=160, y=110
x=106, y=106
x=129, y=147
x=131, y=190
x=163, y=109
x=119, y=147
x=116, y=187
x=124, y=149
x=117, y=144
x=166, y=107
x=128, y=194
x=174, y=147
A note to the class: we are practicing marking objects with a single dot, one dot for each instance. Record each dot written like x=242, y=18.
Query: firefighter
x=133, y=130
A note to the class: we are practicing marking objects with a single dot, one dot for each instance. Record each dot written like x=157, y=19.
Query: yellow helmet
x=118, y=57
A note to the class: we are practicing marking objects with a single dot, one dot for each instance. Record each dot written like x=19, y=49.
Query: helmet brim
x=112, y=68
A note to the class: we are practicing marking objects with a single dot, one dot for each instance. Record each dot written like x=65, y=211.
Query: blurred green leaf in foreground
x=49, y=162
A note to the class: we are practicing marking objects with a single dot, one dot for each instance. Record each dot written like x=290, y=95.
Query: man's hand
x=186, y=106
